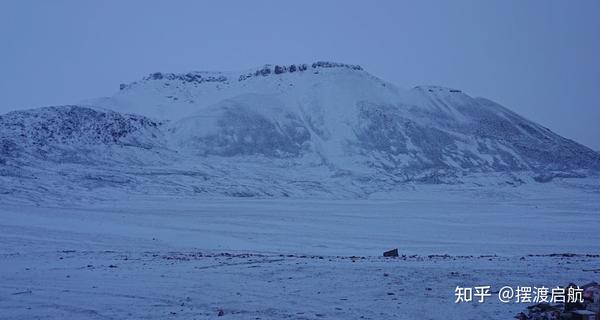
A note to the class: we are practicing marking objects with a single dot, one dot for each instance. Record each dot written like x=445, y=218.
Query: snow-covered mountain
x=296, y=129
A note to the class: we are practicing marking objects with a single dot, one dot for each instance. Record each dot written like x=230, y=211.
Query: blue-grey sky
x=539, y=58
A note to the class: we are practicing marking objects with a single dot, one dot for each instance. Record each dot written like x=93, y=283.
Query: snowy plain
x=194, y=258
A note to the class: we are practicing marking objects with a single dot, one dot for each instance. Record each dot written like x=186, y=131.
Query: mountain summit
x=299, y=129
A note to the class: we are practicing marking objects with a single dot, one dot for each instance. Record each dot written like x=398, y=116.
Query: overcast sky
x=539, y=58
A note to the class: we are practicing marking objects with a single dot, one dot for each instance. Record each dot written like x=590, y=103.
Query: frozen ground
x=289, y=259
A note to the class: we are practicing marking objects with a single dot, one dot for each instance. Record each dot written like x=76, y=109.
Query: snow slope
x=75, y=134
x=326, y=129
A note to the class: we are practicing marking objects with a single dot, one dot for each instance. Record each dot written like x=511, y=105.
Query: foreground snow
x=194, y=285
x=272, y=259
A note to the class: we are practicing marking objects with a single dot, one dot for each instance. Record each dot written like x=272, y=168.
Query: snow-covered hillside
x=77, y=135
x=293, y=130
